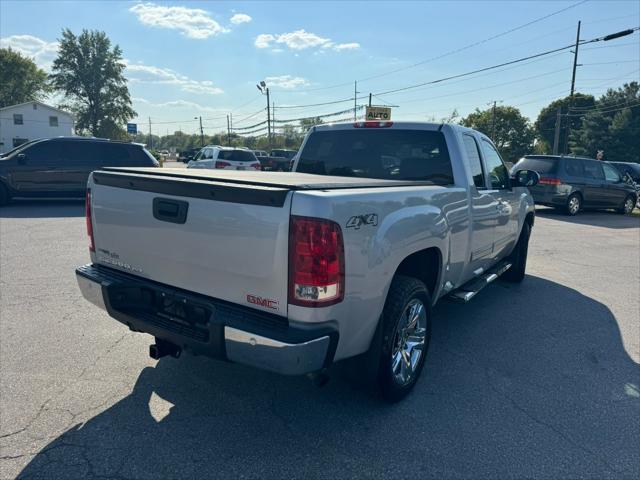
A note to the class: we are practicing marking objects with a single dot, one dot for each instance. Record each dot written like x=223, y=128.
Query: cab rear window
x=382, y=154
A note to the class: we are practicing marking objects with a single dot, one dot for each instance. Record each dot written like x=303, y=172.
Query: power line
x=452, y=52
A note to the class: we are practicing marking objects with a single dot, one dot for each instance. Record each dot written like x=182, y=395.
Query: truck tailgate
x=221, y=240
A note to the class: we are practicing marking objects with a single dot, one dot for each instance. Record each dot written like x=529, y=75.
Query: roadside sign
x=378, y=113
x=132, y=128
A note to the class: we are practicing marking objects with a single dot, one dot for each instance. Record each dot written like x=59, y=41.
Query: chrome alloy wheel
x=628, y=206
x=574, y=205
x=409, y=342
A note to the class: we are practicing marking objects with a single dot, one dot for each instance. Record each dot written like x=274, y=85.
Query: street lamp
x=262, y=86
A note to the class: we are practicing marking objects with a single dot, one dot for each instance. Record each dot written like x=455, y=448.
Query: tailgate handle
x=169, y=210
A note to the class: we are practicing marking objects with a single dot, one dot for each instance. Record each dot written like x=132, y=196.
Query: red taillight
x=222, y=164
x=87, y=210
x=316, y=262
x=549, y=181
x=372, y=124
x=256, y=166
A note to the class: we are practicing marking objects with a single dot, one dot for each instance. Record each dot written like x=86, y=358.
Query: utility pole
x=228, y=132
x=268, y=118
x=565, y=149
x=150, y=137
x=201, y=133
x=355, y=100
x=369, y=99
x=556, y=135
x=493, y=122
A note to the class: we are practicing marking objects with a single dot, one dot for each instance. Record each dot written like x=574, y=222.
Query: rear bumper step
x=470, y=289
x=207, y=326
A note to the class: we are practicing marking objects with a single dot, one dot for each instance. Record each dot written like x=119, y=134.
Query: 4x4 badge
x=358, y=221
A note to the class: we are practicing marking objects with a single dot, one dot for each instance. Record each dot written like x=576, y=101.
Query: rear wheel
x=518, y=257
x=406, y=329
x=628, y=205
x=574, y=204
x=5, y=198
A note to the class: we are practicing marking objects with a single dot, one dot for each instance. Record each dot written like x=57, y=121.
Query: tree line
x=88, y=74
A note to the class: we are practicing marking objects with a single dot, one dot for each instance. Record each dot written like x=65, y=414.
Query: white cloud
x=346, y=46
x=140, y=73
x=264, y=40
x=42, y=52
x=301, y=40
x=286, y=81
x=178, y=104
x=239, y=18
x=191, y=22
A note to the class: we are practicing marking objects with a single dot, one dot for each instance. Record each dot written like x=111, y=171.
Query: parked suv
x=576, y=183
x=60, y=167
x=225, y=158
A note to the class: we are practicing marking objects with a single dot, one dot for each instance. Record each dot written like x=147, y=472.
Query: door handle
x=169, y=210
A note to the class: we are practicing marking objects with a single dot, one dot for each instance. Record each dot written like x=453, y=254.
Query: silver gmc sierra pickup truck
x=289, y=272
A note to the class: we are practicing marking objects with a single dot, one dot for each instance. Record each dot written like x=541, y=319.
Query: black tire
x=518, y=257
x=574, y=204
x=404, y=292
x=5, y=197
x=627, y=206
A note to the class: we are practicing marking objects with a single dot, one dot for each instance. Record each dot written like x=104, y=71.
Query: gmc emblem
x=263, y=302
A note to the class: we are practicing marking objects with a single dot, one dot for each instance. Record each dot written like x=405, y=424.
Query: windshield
x=382, y=154
x=15, y=149
x=538, y=164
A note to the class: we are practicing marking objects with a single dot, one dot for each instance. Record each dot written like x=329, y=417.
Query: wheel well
x=530, y=219
x=424, y=265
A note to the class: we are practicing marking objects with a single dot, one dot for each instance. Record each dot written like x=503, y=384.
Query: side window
x=79, y=153
x=497, y=171
x=44, y=153
x=473, y=153
x=593, y=170
x=573, y=167
x=17, y=119
x=610, y=173
x=114, y=155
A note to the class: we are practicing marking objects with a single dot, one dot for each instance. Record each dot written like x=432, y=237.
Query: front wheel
x=518, y=257
x=406, y=330
x=627, y=206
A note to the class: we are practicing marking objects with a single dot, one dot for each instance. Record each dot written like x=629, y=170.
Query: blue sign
x=132, y=128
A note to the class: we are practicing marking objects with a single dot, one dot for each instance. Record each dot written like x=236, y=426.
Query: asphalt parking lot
x=536, y=380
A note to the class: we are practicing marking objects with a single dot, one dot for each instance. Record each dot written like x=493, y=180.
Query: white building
x=31, y=120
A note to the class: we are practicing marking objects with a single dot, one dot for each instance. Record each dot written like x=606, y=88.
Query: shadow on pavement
x=602, y=218
x=528, y=381
x=44, y=208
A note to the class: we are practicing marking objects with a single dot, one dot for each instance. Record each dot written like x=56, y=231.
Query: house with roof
x=30, y=121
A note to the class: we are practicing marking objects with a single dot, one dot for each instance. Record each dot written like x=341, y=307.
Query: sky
x=188, y=59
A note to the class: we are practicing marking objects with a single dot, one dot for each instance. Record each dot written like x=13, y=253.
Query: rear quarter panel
x=409, y=219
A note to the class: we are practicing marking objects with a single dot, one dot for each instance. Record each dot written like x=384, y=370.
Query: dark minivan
x=576, y=183
x=60, y=167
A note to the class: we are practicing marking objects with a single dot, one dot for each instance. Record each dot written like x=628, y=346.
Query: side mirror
x=526, y=178
x=22, y=159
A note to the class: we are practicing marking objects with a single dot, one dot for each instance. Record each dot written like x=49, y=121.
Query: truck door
x=483, y=209
x=507, y=201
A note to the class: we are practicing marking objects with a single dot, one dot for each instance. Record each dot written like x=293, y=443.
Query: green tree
x=612, y=125
x=545, y=124
x=513, y=133
x=307, y=123
x=89, y=72
x=20, y=79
